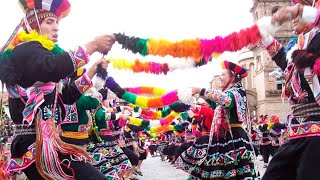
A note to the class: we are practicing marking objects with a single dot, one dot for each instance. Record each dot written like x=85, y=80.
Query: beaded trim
x=73, y=60
x=41, y=17
x=305, y=110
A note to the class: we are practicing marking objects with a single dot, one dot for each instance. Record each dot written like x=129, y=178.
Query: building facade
x=265, y=81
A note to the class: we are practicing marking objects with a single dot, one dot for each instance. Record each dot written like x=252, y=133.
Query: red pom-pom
x=316, y=67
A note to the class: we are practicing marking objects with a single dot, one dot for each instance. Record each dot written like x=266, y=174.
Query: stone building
x=264, y=82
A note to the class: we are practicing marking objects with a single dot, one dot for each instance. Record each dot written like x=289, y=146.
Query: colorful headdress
x=237, y=69
x=274, y=118
x=263, y=117
x=60, y=8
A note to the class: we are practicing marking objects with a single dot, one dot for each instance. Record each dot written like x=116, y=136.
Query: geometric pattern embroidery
x=71, y=113
x=273, y=48
x=83, y=83
x=303, y=130
x=188, y=161
x=17, y=164
x=111, y=155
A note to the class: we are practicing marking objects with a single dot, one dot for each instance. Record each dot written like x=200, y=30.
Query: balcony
x=273, y=93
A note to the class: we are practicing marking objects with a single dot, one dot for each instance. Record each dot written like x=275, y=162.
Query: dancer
x=296, y=159
x=225, y=153
x=30, y=73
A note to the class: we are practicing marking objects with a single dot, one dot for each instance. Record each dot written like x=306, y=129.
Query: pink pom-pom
x=196, y=133
x=122, y=122
x=163, y=122
x=316, y=67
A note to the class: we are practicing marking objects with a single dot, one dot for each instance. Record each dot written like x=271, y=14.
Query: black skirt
x=226, y=158
x=134, y=159
x=183, y=147
x=143, y=156
x=109, y=156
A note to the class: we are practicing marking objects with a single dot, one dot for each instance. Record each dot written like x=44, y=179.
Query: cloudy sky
x=169, y=19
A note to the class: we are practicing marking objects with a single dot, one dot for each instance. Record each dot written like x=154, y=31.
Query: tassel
x=48, y=143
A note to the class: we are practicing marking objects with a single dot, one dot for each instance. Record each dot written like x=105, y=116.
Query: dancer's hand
x=101, y=44
x=287, y=13
x=93, y=69
x=124, y=117
x=195, y=90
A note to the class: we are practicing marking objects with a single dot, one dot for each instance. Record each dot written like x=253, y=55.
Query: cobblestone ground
x=155, y=169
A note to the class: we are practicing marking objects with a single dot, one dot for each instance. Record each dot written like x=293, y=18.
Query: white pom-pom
x=185, y=96
x=266, y=28
x=155, y=123
x=98, y=83
x=190, y=113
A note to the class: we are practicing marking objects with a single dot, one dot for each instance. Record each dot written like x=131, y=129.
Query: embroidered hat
x=37, y=10
x=237, y=69
x=60, y=8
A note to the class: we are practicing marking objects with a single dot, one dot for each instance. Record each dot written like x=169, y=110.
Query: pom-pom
x=303, y=59
x=185, y=96
x=316, y=67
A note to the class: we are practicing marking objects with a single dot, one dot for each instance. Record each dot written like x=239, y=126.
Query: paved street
x=155, y=169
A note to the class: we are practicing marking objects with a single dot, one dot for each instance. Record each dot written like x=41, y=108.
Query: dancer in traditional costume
x=33, y=65
x=225, y=153
x=266, y=148
x=297, y=159
x=276, y=131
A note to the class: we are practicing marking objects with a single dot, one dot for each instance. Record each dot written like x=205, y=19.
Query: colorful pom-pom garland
x=147, y=102
x=196, y=48
x=138, y=66
x=145, y=90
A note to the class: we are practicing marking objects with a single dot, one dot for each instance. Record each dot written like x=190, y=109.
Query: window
x=275, y=9
x=279, y=86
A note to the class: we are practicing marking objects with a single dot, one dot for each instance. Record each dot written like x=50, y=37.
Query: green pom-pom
x=141, y=46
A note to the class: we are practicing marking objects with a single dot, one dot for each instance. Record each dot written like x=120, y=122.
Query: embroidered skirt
x=226, y=158
x=161, y=147
x=109, y=157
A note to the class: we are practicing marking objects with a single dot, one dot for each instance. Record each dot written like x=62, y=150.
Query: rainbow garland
x=138, y=66
x=197, y=49
x=148, y=102
x=159, y=126
x=153, y=129
x=145, y=90
x=176, y=107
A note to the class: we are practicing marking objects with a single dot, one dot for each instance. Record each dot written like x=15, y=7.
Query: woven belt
x=75, y=135
x=235, y=125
